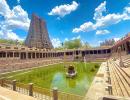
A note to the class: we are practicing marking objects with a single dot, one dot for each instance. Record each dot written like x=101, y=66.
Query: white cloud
x=88, y=26
x=12, y=35
x=18, y=1
x=116, y=39
x=98, y=32
x=78, y=37
x=56, y=42
x=110, y=19
x=9, y=34
x=127, y=9
x=100, y=42
x=17, y=18
x=103, y=21
x=66, y=39
x=98, y=11
x=127, y=12
x=63, y=10
x=4, y=8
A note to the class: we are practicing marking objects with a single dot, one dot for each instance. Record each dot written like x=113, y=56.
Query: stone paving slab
x=6, y=94
x=97, y=88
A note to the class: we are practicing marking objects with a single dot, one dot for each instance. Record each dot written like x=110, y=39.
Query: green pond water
x=54, y=76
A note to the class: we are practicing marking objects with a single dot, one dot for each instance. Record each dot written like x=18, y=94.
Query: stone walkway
x=28, y=69
x=6, y=94
x=97, y=88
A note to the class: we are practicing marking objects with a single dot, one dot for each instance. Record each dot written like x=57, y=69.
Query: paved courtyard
x=6, y=94
x=97, y=88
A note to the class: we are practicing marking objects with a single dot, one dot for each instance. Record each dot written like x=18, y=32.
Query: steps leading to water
x=120, y=77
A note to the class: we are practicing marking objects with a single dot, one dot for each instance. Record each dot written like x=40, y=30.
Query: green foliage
x=21, y=42
x=59, y=48
x=9, y=41
x=76, y=43
x=92, y=70
x=73, y=44
x=6, y=41
x=96, y=66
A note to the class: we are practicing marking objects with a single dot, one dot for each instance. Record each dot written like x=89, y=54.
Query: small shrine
x=71, y=72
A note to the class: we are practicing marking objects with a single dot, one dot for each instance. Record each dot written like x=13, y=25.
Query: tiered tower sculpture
x=38, y=35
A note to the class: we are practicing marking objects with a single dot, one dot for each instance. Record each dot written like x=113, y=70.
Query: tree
x=109, y=42
x=86, y=45
x=76, y=43
x=9, y=41
x=73, y=44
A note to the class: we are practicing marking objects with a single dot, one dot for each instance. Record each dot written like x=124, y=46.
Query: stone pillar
x=35, y=55
x=109, y=80
x=14, y=85
x=105, y=51
x=50, y=54
x=107, y=64
x=12, y=54
x=30, y=55
x=110, y=89
x=6, y=55
x=30, y=89
x=27, y=55
x=46, y=55
x=55, y=93
x=20, y=55
x=126, y=49
x=2, y=82
x=53, y=54
x=119, y=53
x=41, y=55
x=38, y=55
x=89, y=59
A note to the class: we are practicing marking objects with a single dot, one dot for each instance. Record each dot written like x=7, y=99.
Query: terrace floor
x=97, y=88
x=6, y=94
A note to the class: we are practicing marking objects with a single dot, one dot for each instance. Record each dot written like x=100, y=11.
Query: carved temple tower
x=38, y=35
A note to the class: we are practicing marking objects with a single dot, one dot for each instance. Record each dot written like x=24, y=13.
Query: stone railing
x=37, y=92
x=113, y=98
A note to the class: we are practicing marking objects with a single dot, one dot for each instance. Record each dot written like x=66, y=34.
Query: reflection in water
x=57, y=80
x=75, y=85
x=72, y=83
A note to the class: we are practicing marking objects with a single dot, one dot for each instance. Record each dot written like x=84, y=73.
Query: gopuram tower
x=38, y=35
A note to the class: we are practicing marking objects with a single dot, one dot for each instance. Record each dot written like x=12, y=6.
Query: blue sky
x=90, y=20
